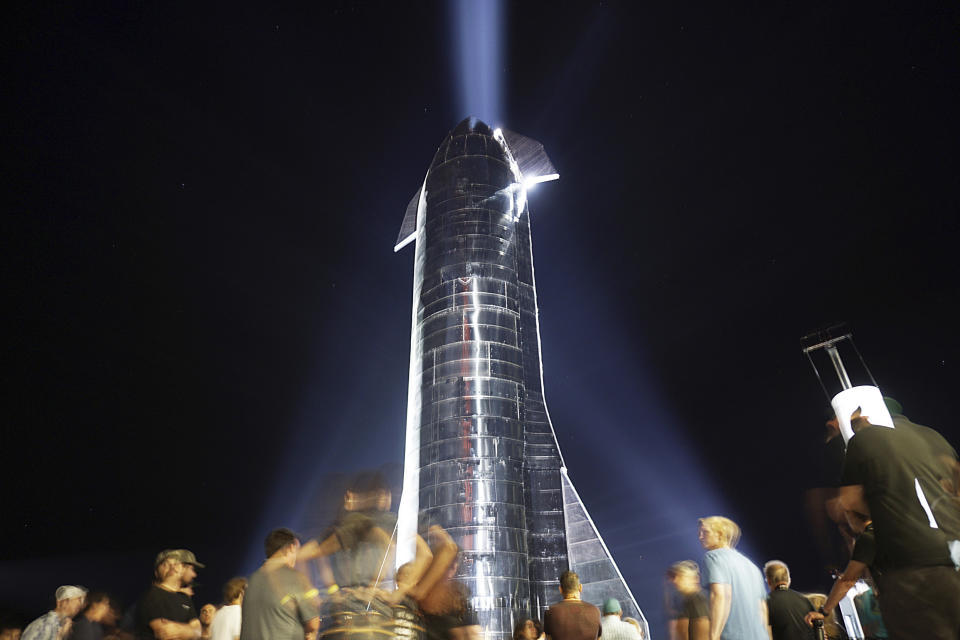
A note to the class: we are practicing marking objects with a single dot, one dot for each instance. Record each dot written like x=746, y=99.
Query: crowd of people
x=898, y=503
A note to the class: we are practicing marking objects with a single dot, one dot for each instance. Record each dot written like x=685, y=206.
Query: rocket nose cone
x=472, y=125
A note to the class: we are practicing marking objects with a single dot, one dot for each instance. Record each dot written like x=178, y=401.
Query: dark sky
x=207, y=325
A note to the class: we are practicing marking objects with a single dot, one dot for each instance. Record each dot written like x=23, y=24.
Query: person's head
x=717, y=532
x=777, y=573
x=282, y=544
x=526, y=629
x=233, y=591
x=817, y=600
x=98, y=606
x=368, y=490
x=9, y=630
x=70, y=599
x=832, y=424
x=207, y=612
x=570, y=584
x=611, y=607
x=858, y=421
x=176, y=567
x=685, y=576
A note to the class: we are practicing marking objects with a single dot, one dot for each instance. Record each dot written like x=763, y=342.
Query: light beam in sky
x=477, y=26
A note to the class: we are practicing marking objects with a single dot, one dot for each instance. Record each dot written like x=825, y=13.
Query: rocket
x=481, y=457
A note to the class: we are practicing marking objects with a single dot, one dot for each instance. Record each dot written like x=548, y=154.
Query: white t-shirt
x=226, y=624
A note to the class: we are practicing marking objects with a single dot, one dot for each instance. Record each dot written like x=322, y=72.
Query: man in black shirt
x=905, y=479
x=786, y=607
x=165, y=612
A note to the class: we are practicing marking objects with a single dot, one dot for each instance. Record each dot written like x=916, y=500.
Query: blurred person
x=9, y=629
x=56, y=624
x=612, y=625
x=572, y=618
x=97, y=616
x=526, y=629
x=786, y=607
x=226, y=624
x=442, y=552
x=832, y=629
x=906, y=480
x=354, y=558
x=207, y=612
x=10, y=632
x=279, y=603
x=355, y=550
x=165, y=612
x=444, y=602
x=112, y=629
x=738, y=602
x=539, y=625
x=690, y=620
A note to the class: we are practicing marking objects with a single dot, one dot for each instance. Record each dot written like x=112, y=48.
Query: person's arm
x=840, y=588
x=440, y=559
x=765, y=617
x=680, y=629
x=720, y=600
x=310, y=628
x=168, y=630
x=470, y=632
x=700, y=627
x=65, y=628
x=673, y=629
x=313, y=549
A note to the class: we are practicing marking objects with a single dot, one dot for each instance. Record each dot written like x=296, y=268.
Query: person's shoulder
x=152, y=595
x=715, y=554
x=868, y=437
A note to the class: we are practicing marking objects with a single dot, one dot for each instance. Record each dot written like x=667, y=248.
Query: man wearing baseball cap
x=612, y=625
x=165, y=612
x=55, y=625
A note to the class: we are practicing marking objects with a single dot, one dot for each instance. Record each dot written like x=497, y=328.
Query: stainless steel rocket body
x=482, y=459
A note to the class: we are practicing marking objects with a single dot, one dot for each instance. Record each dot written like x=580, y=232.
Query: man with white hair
x=786, y=607
x=55, y=624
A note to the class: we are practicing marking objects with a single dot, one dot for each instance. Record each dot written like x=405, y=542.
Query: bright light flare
x=530, y=182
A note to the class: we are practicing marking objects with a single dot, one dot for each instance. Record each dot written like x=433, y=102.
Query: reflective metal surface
x=481, y=457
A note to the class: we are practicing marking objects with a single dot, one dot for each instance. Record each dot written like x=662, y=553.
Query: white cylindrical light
x=871, y=404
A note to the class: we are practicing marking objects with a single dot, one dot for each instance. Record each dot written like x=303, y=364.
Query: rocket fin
x=529, y=154
x=408, y=228
x=589, y=557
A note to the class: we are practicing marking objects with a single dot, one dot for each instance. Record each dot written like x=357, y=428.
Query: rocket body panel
x=482, y=459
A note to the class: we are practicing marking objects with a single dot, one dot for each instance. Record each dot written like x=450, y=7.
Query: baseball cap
x=181, y=555
x=611, y=605
x=894, y=407
x=68, y=591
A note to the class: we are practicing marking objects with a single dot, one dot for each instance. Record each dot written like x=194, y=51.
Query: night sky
x=207, y=327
